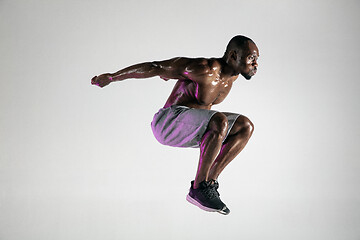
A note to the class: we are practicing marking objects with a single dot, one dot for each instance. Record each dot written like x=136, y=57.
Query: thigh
x=240, y=122
x=218, y=123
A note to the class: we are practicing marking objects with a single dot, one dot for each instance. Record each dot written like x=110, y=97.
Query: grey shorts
x=181, y=126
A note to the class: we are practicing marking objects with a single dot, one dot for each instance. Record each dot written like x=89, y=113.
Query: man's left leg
x=235, y=142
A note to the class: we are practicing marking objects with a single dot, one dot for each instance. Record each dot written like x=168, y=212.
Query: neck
x=227, y=70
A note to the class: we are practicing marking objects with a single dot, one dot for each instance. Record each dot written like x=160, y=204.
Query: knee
x=218, y=125
x=244, y=126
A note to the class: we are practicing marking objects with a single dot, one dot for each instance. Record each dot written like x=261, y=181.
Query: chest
x=213, y=92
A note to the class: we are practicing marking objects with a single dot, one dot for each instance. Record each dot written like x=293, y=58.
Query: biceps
x=182, y=68
x=168, y=69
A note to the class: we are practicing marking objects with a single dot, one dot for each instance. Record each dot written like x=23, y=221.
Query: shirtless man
x=186, y=119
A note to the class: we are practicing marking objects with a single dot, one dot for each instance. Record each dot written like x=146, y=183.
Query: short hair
x=237, y=42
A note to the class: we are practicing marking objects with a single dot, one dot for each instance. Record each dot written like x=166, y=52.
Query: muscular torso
x=212, y=89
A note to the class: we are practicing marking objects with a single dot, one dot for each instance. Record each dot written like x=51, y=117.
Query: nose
x=255, y=64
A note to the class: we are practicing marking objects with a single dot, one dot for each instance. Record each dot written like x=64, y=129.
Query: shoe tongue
x=204, y=184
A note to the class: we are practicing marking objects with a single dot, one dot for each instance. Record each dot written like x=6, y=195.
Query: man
x=186, y=119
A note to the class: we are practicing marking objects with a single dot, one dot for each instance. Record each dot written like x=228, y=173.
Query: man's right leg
x=202, y=193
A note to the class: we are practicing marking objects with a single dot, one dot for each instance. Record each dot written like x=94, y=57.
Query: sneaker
x=207, y=197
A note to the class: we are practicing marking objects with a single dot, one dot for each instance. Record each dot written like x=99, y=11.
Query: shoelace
x=215, y=185
x=211, y=190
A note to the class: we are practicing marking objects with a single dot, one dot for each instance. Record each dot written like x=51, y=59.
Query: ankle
x=196, y=185
x=200, y=183
x=213, y=181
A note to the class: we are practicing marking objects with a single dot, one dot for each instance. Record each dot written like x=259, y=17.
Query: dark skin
x=202, y=83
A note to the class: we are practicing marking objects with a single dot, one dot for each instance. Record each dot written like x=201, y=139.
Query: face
x=247, y=63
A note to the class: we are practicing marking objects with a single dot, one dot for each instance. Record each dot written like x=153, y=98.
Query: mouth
x=253, y=72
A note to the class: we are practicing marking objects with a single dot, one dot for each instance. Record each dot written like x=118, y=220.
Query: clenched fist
x=102, y=80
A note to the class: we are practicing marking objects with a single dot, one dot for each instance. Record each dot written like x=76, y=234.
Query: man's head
x=241, y=55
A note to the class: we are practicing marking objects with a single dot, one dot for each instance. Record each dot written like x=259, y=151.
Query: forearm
x=142, y=70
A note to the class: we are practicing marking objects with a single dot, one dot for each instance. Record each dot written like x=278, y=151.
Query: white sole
x=193, y=201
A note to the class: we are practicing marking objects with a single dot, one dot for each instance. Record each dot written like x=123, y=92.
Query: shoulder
x=214, y=64
x=200, y=65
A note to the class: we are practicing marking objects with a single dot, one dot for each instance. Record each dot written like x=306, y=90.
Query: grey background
x=80, y=162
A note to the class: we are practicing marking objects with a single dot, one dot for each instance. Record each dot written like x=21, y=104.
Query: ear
x=234, y=55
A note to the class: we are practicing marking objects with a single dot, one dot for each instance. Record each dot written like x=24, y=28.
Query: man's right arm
x=175, y=68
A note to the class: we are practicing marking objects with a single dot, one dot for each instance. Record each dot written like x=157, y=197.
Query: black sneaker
x=207, y=197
